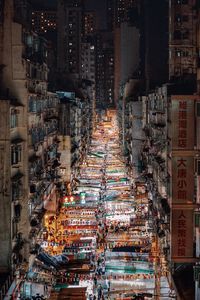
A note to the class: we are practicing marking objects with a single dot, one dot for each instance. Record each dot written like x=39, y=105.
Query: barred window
x=14, y=118
x=16, y=190
x=16, y=154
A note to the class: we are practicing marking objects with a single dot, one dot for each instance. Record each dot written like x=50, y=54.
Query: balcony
x=39, y=133
x=43, y=104
x=36, y=170
x=37, y=187
x=36, y=86
x=37, y=215
x=50, y=115
x=35, y=48
x=158, y=120
x=160, y=160
x=158, y=124
x=51, y=127
x=50, y=154
x=16, y=220
x=18, y=243
x=37, y=205
x=35, y=105
x=158, y=165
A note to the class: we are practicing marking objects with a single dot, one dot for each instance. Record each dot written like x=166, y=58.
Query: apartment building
x=170, y=154
x=31, y=136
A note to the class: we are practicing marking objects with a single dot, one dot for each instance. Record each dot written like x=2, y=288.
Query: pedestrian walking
x=103, y=269
x=99, y=291
x=95, y=281
x=45, y=288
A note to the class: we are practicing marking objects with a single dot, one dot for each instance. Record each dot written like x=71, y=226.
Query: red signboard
x=183, y=123
x=182, y=179
x=182, y=233
x=182, y=136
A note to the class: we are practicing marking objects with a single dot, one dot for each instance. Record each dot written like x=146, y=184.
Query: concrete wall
x=5, y=199
x=126, y=55
x=65, y=159
x=137, y=135
x=15, y=79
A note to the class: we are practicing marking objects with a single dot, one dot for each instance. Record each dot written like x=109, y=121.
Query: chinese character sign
x=182, y=179
x=182, y=234
x=183, y=124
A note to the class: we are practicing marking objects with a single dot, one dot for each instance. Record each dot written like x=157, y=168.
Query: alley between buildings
x=101, y=244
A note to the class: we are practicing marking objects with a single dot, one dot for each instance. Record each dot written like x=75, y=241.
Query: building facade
x=32, y=122
x=75, y=128
x=127, y=58
x=104, y=69
x=90, y=22
x=88, y=67
x=70, y=25
x=170, y=154
x=44, y=22
x=154, y=43
x=5, y=195
x=183, y=41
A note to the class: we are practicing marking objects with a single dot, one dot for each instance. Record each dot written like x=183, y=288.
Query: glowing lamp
x=66, y=199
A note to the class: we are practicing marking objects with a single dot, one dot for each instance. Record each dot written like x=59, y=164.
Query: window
x=198, y=167
x=185, y=53
x=185, y=18
x=181, y=1
x=14, y=229
x=185, y=34
x=177, y=71
x=187, y=70
x=16, y=154
x=177, y=35
x=178, y=18
x=16, y=190
x=178, y=52
x=14, y=118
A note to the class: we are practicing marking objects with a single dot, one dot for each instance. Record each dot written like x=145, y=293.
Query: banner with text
x=182, y=179
x=182, y=234
x=183, y=123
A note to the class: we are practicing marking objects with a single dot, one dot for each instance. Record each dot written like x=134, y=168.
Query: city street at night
x=100, y=149
x=104, y=227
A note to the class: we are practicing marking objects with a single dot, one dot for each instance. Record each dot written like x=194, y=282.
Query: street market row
x=101, y=243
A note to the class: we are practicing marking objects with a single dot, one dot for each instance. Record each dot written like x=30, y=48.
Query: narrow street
x=100, y=150
x=105, y=228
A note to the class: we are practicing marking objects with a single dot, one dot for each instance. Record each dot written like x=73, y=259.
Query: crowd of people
x=103, y=177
